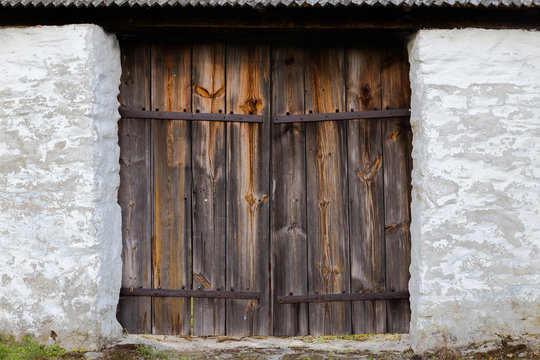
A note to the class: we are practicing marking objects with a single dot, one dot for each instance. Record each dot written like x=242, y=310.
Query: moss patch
x=27, y=349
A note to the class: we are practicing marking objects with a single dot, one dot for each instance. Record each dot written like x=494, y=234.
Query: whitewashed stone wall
x=475, y=273
x=60, y=224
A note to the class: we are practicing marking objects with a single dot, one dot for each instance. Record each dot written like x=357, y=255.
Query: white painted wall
x=475, y=273
x=60, y=224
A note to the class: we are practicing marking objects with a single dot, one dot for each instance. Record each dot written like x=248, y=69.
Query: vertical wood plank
x=248, y=147
x=366, y=189
x=288, y=224
x=171, y=91
x=134, y=195
x=209, y=206
x=397, y=170
x=327, y=195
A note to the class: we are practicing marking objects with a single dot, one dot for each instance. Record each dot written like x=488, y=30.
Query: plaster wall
x=475, y=272
x=60, y=224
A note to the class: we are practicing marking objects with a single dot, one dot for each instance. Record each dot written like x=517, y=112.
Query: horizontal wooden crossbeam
x=190, y=116
x=351, y=115
x=343, y=297
x=191, y=293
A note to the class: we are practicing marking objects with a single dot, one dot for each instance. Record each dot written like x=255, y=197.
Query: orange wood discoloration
x=247, y=92
x=199, y=90
x=171, y=84
x=209, y=186
x=202, y=280
x=327, y=190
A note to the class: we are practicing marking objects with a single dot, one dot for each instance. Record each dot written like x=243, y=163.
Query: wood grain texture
x=134, y=195
x=171, y=91
x=288, y=220
x=248, y=148
x=327, y=195
x=397, y=170
x=366, y=206
x=315, y=208
x=209, y=187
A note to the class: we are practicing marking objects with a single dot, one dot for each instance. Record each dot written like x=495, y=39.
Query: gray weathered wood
x=248, y=147
x=327, y=213
x=397, y=165
x=288, y=207
x=209, y=188
x=366, y=207
x=327, y=195
x=134, y=195
x=171, y=91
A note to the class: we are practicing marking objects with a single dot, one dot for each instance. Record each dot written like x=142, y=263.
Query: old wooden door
x=225, y=209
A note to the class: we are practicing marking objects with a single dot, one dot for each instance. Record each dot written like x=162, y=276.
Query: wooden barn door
x=236, y=223
x=340, y=191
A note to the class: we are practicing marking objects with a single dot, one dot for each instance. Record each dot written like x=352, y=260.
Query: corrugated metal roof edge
x=270, y=3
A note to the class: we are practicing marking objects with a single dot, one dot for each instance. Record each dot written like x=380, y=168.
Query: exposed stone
x=60, y=224
x=476, y=186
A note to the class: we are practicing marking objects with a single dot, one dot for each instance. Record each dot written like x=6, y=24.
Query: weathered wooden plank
x=327, y=195
x=248, y=147
x=209, y=211
x=171, y=91
x=397, y=167
x=134, y=195
x=288, y=206
x=366, y=206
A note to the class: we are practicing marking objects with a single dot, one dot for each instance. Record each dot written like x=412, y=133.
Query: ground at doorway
x=365, y=347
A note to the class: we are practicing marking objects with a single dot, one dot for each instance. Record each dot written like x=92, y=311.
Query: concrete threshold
x=389, y=346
